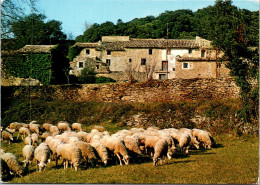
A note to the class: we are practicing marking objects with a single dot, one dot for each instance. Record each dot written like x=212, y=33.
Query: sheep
x=117, y=146
x=41, y=155
x=47, y=126
x=160, y=150
x=12, y=131
x=193, y=141
x=99, y=128
x=45, y=135
x=203, y=137
x=34, y=128
x=69, y=153
x=23, y=132
x=12, y=163
x=76, y=126
x=106, y=133
x=84, y=135
x=53, y=144
x=5, y=171
x=150, y=142
x=35, y=139
x=28, y=140
x=63, y=126
x=15, y=125
x=101, y=151
x=54, y=129
x=3, y=151
x=28, y=154
x=132, y=145
x=87, y=152
x=7, y=136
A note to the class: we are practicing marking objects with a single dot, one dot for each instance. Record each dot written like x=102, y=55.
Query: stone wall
x=155, y=91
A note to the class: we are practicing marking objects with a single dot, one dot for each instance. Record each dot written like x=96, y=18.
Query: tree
x=88, y=74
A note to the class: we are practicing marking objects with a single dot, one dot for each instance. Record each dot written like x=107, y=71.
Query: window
x=97, y=66
x=81, y=65
x=218, y=65
x=130, y=60
x=143, y=61
x=162, y=76
x=185, y=65
x=87, y=51
x=108, y=52
x=108, y=62
x=190, y=51
x=164, y=65
x=203, y=53
x=150, y=51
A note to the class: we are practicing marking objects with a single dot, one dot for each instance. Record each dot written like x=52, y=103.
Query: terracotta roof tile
x=36, y=49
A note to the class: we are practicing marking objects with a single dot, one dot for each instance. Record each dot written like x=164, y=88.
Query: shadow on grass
x=218, y=146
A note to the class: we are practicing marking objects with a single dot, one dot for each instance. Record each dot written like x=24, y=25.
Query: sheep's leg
x=119, y=159
x=67, y=163
x=64, y=164
x=18, y=136
x=56, y=159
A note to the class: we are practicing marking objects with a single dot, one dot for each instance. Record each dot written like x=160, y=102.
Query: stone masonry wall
x=155, y=91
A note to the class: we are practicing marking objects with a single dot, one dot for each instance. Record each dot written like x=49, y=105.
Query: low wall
x=155, y=91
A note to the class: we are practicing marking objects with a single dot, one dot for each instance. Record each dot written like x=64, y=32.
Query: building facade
x=150, y=58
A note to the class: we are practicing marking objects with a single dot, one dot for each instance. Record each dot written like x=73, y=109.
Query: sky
x=75, y=13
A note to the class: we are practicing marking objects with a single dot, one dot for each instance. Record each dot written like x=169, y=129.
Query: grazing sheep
x=35, y=139
x=193, y=141
x=7, y=136
x=5, y=171
x=23, y=132
x=45, y=135
x=132, y=145
x=12, y=163
x=117, y=147
x=34, y=128
x=84, y=135
x=54, y=129
x=160, y=150
x=28, y=140
x=47, y=126
x=106, y=133
x=15, y=125
x=63, y=126
x=76, y=126
x=28, y=154
x=12, y=131
x=150, y=142
x=42, y=154
x=3, y=151
x=87, y=152
x=203, y=137
x=53, y=144
x=69, y=153
x=101, y=151
x=99, y=128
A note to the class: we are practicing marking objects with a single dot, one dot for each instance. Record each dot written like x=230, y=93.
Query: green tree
x=88, y=74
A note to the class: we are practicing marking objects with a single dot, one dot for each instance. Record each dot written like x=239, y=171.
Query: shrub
x=88, y=75
x=102, y=79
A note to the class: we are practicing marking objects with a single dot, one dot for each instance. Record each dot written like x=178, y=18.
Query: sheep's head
x=105, y=162
x=19, y=172
x=41, y=166
x=155, y=161
x=126, y=159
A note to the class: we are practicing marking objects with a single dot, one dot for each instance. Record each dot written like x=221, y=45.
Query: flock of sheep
x=76, y=147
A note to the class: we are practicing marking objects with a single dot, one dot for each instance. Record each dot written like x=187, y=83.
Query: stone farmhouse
x=120, y=56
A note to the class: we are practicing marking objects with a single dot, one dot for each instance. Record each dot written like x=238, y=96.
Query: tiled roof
x=36, y=49
x=86, y=45
x=141, y=43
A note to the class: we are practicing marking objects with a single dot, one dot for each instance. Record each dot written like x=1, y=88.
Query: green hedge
x=73, y=52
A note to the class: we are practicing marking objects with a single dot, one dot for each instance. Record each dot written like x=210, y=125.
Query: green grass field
x=234, y=160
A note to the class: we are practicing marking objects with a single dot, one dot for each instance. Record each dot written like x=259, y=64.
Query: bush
x=102, y=79
x=88, y=75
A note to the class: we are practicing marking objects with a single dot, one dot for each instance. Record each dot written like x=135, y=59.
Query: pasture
x=234, y=160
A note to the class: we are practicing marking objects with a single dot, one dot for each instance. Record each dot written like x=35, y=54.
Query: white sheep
x=34, y=128
x=132, y=144
x=54, y=129
x=101, y=151
x=28, y=154
x=47, y=126
x=7, y=136
x=87, y=152
x=76, y=126
x=15, y=125
x=150, y=142
x=45, y=135
x=35, y=139
x=28, y=140
x=193, y=141
x=13, y=164
x=42, y=155
x=3, y=151
x=84, y=135
x=160, y=150
x=203, y=137
x=99, y=128
x=23, y=132
x=117, y=147
x=63, y=126
x=69, y=153
x=12, y=131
